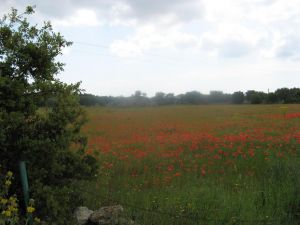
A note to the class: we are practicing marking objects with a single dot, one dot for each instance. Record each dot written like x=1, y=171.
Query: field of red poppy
x=221, y=164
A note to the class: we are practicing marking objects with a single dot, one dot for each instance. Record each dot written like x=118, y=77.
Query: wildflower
x=9, y=174
x=3, y=201
x=170, y=168
x=6, y=213
x=12, y=208
x=12, y=199
x=37, y=220
x=31, y=202
x=7, y=183
x=203, y=171
x=251, y=152
x=30, y=209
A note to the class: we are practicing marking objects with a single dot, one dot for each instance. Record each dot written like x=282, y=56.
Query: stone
x=108, y=215
x=82, y=215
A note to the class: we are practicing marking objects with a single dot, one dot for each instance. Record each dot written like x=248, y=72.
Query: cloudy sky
x=175, y=45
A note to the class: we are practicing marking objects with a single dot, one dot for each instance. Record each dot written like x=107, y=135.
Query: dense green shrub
x=40, y=117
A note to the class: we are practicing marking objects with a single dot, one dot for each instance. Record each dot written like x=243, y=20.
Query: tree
x=283, y=94
x=170, y=99
x=159, y=98
x=139, y=99
x=238, y=97
x=255, y=97
x=40, y=116
x=294, y=95
x=271, y=98
x=192, y=97
x=249, y=95
x=218, y=97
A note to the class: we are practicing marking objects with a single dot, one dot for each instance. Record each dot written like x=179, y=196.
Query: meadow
x=211, y=164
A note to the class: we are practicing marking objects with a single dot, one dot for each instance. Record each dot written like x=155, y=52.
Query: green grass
x=139, y=168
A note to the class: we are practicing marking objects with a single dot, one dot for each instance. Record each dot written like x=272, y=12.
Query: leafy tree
x=255, y=97
x=192, y=97
x=139, y=94
x=138, y=99
x=92, y=100
x=218, y=97
x=286, y=95
x=238, y=97
x=159, y=98
x=249, y=95
x=88, y=100
x=40, y=117
x=271, y=98
x=293, y=96
x=170, y=99
x=283, y=94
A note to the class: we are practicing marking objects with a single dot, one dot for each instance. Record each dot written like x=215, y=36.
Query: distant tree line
x=282, y=95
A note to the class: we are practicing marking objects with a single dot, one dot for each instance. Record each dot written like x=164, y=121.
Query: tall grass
x=159, y=166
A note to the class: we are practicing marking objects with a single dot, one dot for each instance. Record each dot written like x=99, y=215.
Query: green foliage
x=282, y=95
x=255, y=97
x=216, y=97
x=238, y=97
x=286, y=95
x=271, y=98
x=192, y=97
x=40, y=116
x=9, y=205
x=252, y=188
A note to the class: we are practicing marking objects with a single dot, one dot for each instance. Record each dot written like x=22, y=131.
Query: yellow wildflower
x=3, y=201
x=12, y=208
x=30, y=209
x=7, y=183
x=37, y=220
x=12, y=200
x=9, y=174
x=6, y=213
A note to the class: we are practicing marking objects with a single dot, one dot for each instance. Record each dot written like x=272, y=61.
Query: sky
x=174, y=46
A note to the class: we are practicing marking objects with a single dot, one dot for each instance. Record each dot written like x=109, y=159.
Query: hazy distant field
x=198, y=164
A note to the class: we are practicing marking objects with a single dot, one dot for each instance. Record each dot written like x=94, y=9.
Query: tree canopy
x=40, y=116
x=281, y=95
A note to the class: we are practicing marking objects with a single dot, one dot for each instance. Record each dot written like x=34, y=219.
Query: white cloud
x=82, y=17
x=266, y=28
x=152, y=37
x=290, y=48
x=176, y=11
x=144, y=11
x=117, y=12
x=208, y=44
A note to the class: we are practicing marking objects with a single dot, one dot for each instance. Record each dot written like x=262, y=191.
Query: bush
x=40, y=117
